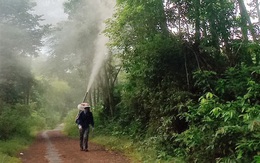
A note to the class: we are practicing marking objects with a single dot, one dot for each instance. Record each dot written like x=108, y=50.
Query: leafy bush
x=10, y=148
x=17, y=123
x=19, y=120
x=223, y=125
x=14, y=120
x=6, y=158
x=70, y=127
x=37, y=122
x=222, y=130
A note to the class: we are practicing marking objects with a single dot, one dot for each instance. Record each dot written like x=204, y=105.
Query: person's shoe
x=86, y=150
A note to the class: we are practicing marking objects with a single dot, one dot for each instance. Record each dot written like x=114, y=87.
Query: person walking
x=84, y=120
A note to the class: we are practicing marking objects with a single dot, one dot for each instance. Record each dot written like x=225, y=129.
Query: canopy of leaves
x=161, y=45
x=21, y=35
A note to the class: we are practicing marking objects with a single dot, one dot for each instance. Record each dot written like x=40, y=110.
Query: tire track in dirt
x=51, y=154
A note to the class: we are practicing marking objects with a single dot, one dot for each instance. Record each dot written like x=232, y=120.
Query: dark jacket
x=85, y=119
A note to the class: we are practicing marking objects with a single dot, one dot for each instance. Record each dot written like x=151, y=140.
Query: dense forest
x=179, y=76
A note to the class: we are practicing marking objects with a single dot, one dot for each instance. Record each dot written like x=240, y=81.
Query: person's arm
x=78, y=121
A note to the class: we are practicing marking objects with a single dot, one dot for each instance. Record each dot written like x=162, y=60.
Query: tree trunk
x=244, y=20
x=197, y=23
x=94, y=96
x=213, y=30
x=225, y=34
x=257, y=10
x=28, y=90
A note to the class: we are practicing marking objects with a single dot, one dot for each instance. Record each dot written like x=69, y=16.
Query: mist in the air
x=76, y=43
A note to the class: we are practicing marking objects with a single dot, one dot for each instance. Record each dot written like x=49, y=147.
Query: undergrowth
x=142, y=150
x=10, y=148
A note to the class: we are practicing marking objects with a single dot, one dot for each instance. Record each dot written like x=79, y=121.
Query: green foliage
x=159, y=96
x=10, y=148
x=20, y=29
x=21, y=36
x=6, y=158
x=37, y=122
x=14, y=145
x=19, y=120
x=70, y=127
x=53, y=100
x=17, y=124
x=234, y=82
x=220, y=129
x=16, y=79
x=14, y=121
x=205, y=80
x=136, y=150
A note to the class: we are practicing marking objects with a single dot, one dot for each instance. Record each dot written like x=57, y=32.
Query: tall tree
x=75, y=43
x=21, y=35
x=246, y=23
x=257, y=9
x=150, y=57
x=157, y=65
x=72, y=45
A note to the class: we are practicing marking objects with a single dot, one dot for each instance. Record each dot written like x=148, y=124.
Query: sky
x=52, y=11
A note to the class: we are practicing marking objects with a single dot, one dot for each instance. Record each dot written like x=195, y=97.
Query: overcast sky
x=52, y=10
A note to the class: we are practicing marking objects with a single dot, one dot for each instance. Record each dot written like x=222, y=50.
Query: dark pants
x=84, y=138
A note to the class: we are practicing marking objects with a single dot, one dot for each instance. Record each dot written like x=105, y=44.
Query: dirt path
x=53, y=147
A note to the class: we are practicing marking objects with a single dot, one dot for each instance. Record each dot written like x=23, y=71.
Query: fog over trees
x=179, y=76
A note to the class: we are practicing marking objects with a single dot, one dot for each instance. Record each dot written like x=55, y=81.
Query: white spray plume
x=81, y=36
x=106, y=11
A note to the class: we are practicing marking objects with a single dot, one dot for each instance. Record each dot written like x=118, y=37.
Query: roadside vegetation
x=180, y=80
x=19, y=124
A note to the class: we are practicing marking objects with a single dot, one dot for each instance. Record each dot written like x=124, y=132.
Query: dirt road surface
x=54, y=147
